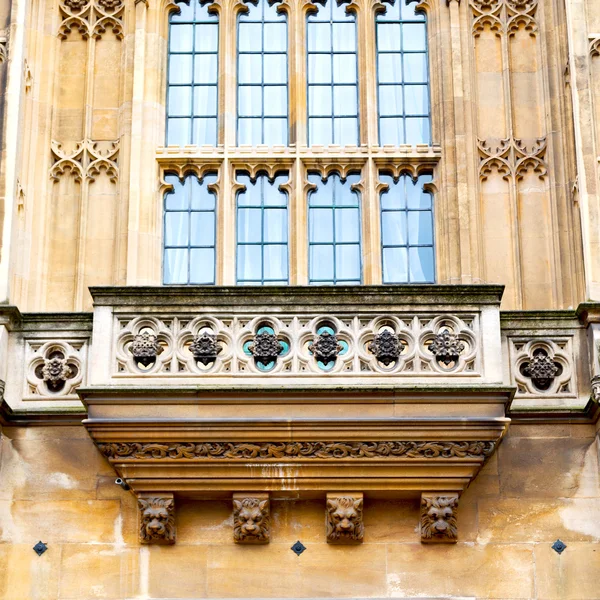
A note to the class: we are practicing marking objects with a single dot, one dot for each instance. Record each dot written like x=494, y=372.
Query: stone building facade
x=299, y=299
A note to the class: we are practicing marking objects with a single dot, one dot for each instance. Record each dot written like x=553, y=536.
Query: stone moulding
x=440, y=442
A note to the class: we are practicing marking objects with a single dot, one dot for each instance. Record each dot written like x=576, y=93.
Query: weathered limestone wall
x=543, y=484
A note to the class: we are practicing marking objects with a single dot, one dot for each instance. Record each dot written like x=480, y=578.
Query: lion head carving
x=438, y=518
x=344, y=519
x=251, y=523
x=157, y=520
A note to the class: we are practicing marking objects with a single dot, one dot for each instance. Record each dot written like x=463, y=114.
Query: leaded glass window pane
x=189, y=230
x=332, y=76
x=262, y=102
x=334, y=228
x=407, y=235
x=262, y=230
x=403, y=76
x=192, y=88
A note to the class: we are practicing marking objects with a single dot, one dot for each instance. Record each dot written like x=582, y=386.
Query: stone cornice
x=301, y=298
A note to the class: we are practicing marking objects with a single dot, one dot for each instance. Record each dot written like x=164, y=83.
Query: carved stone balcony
x=297, y=390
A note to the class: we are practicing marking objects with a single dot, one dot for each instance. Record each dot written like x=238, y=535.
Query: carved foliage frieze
x=251, y=519
x=438, y=518
x=543, y=366
x=85, y=160
x=157, y=519
x=91, y=18
x=143, y=451
x=303, y=346
x=55, y=368
x=344, y=518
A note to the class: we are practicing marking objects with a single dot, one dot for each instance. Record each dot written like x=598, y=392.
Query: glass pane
x=323, y=195
x=275, y=101
x=275, y=261
x=320, y=132
x=275, y=68
x=395, y=265
x=275, y=225
x=394, y=197
x=390, y=68
x=344, y=68
x=344, y=196
x=344, y=37
x=249, y=37
x=319, y=100
x=413, y=37
x=202, y=229
x=181, y=38
x=393, y=228
x=249, y=228
x=417, y=131
x=321, y=263
x=180, y=68
x=416, y=197
x=388, y=37
x=251, y=196
x=345, y=132
x=417, y=99
x=180, y=101
x=275, y=132
x=338, y=11
x=207, y=38
x=390, y=100
x=347, y=262
x=205, y=100
x=347, y=225
x=392, y=12
x=319, y=37
x=344, y=100
x=178, y=132
x=420, y=227
x=273, y=196
x=177, y=199
x=391, y=131
x=320, y=227
x=409, y=13
x=275, y=37
x=205, y=132
x=202, y=199
x=176, y=229
x=202, y=13
x=202, y=266
x=176, y=265
x=249, y=265
x=186, y=13
x=415, y=68
x=250, y=68
x=319, y=68
x=205, y=69
x=421, y=265
x=249, y=100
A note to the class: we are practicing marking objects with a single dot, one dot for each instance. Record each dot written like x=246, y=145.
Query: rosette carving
x=145, y=348
x=326, y=347
x=265, y=347
x=205, y=348
x=446, y=347
x=386, y=346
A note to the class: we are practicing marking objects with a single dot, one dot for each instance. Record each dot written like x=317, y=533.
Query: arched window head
x=262, y=104
x=403, y=76
x=192, y=82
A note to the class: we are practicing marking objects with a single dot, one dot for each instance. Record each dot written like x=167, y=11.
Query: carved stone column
x=157, y=518
x=438, y=518
x=251, y=518
x=344, y=518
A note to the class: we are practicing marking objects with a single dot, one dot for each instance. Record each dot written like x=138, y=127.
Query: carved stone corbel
x=251, y=518
x=438, y=518
x=344, y=518
x=157, y=518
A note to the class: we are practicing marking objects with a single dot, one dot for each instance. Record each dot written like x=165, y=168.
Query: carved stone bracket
x=344, y=518
x=251, y=518
x=438, y=518
x=157, y=518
